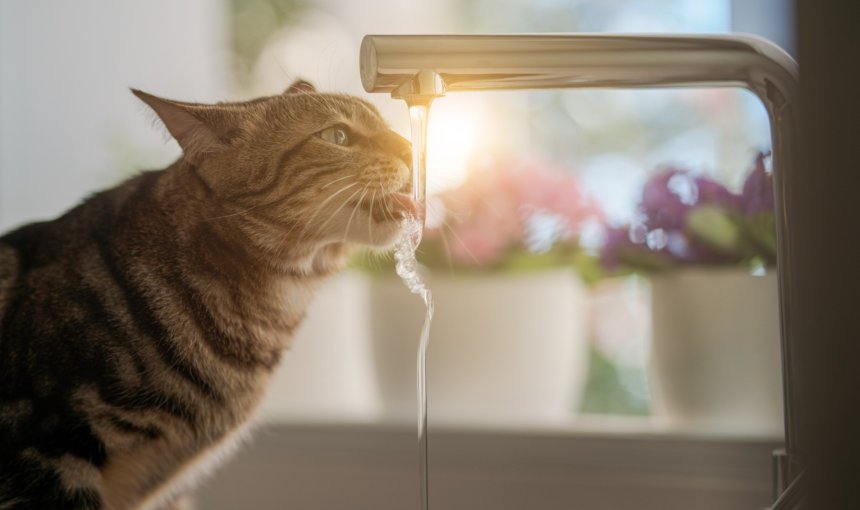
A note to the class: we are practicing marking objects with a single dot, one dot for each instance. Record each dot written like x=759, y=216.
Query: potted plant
x=507, y=343
x=710, y=255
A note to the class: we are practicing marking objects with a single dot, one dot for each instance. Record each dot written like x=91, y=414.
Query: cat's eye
x=337, y=135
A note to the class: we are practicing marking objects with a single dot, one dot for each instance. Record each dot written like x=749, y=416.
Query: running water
x=407, y=269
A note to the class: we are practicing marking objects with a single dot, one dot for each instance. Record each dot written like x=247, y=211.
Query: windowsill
x=579, y=425
x=592, y=463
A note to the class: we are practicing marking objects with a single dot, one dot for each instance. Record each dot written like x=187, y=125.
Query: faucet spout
x=415, y=86
x=390, y=63
x=421, y=88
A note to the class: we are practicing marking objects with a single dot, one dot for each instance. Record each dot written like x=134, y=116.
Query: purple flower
x=616, y=242
x=663, y=237
x=686, y=249
x=669, y=196
x=757, y=194
x=663, y=207
x=713, y=193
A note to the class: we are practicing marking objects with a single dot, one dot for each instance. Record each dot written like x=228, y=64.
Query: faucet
x=418, y=68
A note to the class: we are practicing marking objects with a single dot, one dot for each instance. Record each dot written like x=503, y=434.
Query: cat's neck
x=214, y=229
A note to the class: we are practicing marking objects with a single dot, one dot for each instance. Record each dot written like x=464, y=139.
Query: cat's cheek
x=385, y=234
x=380, y=235
x=363, y=229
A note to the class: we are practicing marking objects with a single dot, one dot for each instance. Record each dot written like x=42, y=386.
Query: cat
x=138, y=330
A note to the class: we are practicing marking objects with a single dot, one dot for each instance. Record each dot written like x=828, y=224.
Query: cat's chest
x=276, y=314
x=294, y=296
x=198, y=464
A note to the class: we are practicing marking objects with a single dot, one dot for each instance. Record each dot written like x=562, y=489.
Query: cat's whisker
x=333, y=195
x=370, y=218
x=354, y=210
x=345, y=202
x=448, y=257
x=492, y=206
x=326, y=185
x=464, y=245
x=321, y=206
x=258, y=206
x=386, y=210
x=280, y=66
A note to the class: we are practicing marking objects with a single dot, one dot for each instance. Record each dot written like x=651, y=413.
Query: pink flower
x=490, y=214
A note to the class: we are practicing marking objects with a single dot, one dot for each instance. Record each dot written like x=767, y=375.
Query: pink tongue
x=404, y=203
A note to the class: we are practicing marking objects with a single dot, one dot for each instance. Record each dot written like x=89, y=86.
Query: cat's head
x=301, y=167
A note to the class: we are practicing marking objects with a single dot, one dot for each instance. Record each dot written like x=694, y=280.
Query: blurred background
x=602, y=261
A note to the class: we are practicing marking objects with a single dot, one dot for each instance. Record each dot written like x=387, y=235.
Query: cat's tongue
x=403, y=203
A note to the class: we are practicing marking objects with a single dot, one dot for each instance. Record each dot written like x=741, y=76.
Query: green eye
x=336, y=135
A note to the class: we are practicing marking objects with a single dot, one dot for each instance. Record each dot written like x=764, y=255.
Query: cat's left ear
x=201, y=130
x=300, y=86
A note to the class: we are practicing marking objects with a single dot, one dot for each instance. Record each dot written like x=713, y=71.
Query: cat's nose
x=396, y=145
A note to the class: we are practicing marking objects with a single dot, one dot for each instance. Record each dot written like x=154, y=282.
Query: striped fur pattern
x=138, y=331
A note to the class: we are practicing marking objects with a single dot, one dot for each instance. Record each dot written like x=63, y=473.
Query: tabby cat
x=138, y=331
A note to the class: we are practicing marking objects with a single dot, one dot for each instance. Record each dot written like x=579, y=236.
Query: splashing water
x=407, y=268
x=404, y=256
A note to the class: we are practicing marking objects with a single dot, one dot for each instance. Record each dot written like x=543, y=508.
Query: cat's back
x=42, y=253
x=54, y=330
x=45, y=268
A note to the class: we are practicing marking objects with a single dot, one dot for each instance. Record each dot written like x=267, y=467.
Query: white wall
x=68, y=124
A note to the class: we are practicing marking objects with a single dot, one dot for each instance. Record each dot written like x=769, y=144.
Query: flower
x=670, y=195
x=757, y=193
x=687, y=219
x=506, y=207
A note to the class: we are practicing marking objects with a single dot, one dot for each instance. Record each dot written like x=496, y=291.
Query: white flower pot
x=715, y=360
x=504, y=348
x=328, y=372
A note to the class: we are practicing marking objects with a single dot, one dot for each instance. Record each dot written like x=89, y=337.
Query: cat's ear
x=300, y=86
x=200, y=130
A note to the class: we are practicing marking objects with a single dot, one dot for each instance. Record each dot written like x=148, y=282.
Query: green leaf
x=639, y=259
x=760, y=229
x=717, y=228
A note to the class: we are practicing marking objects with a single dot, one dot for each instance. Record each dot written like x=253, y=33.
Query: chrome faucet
x=418, y=68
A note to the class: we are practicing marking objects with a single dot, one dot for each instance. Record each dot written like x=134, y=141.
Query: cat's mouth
x=403, y=204
x=392, y=206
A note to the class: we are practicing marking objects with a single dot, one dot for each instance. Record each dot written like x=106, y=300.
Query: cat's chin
x=401, y=206
x=386, y=230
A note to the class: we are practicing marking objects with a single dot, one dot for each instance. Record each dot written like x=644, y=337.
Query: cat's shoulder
x=21, y=240
x=13, y=248
x=96, y=212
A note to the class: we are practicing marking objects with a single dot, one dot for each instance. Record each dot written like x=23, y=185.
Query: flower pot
x=715, y=360
x=504, y=348
x=327, y=374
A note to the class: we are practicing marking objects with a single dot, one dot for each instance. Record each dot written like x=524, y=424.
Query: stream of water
x=408, y=270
